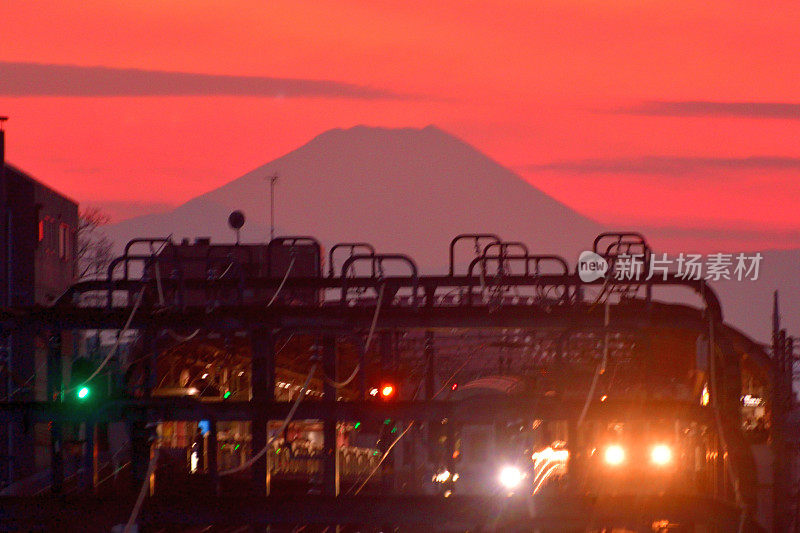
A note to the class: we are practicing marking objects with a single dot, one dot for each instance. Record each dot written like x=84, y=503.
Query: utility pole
x=782, y=405
x=6, y=271
x=272, y=180
x=5, y=232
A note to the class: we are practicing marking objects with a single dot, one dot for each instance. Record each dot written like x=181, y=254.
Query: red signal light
x=387, y=391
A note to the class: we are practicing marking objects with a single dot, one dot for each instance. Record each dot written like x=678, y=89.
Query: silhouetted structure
x=37, y=263
x=37, y=242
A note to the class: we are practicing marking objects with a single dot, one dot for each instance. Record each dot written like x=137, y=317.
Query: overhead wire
x=284, y=425
x=111, y=461
x=300, y=395
x=122, y=332
x=285, y=344
x=342, y=384
x=142, y=492
x=114, y=348
x=153, y=461
x=283, y=282
x=114, y=473
x=158, y=278
x=183, y=338
x=601, y=367
x=226, y=270
x=411, y=424
x=385, y=455
x=25, y=383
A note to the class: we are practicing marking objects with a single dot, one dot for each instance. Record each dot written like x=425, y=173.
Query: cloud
x=121, y=209
x=783, y=235
x=36, y=79
x=704, y=108
x=715, y=239
x=666, y=165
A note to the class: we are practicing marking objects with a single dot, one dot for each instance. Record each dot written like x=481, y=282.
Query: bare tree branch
x=94, y=248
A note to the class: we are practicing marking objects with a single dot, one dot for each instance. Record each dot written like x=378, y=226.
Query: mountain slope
x=411, y=191
x=747, y=304
x=403, y=190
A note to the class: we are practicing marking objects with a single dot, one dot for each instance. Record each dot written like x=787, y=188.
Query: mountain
x=747, y=304
x=411, y=191
x=403, y=190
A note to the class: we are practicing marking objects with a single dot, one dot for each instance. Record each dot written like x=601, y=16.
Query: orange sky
x=663, y=114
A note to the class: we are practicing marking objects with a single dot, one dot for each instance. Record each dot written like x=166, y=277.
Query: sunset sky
x=681, y=117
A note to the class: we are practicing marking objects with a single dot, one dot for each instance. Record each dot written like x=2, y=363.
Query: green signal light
x=227, y=394
x=358, y=424
x=83, y=392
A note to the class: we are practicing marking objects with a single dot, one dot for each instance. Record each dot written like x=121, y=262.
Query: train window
x=476, y=442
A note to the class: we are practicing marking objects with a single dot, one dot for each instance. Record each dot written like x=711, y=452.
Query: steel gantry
x=531, y=312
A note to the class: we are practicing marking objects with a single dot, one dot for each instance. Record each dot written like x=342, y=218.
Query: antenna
x=776, y=314
x=272, y=180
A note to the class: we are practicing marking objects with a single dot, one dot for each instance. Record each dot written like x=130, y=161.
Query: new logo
x=591, y=266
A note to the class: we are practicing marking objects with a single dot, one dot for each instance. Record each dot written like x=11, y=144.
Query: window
x=48, y=235
x=64, y=247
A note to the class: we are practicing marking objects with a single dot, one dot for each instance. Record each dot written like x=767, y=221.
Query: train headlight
x=442, y=476
x=614, y=455
x=661, y=455
x=510, y=477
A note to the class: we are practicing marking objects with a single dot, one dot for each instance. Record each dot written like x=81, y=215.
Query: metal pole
x=211, y=450
x=330, y=452
x=6, y=433
x=54, y=394
x=89, y=458
x=5, y=393
x=430, y=388
x=263, y=390
x=272, y=180
x=150, y=369
x=5, y=233
x=142, y=433
x=430, y=366
x=386, y=356
x=6, y=387
x=780, y=446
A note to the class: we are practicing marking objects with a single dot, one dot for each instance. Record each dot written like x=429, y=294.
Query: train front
x=616, y=418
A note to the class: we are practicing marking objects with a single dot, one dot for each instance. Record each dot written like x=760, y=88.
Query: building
x=38, y=228
x=201, y=260
x=38, y=238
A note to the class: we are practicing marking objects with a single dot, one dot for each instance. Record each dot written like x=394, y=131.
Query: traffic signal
x=83, y=390
x=388, y=391
x=80, y=389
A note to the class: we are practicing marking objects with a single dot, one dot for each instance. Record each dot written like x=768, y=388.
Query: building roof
x=22, y=174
